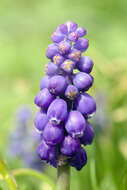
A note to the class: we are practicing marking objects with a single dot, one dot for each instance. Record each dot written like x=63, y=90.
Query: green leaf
x=36, y=174
x=7, y=176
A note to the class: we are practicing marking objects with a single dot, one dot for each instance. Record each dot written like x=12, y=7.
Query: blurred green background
x=25, y=29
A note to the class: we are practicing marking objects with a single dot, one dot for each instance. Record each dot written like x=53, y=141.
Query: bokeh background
x=25, y=29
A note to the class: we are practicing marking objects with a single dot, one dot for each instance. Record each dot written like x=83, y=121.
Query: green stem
x=7, y=176
x=63, y=177
x=93, y=175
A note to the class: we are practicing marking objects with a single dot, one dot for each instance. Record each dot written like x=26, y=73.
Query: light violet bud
x=44, y=82
x=57, y=111
x=82, y=81
x=52, y=50
x=88, y=135
x=62, y=28
x=44, y=98
x=71, y=92
x=40, y=120
x=46, y=152
x=75, y=124
x=57, y=85
x=79, y=160
x=68, y=65
x=85, y=64
x=85, y=104
x=64, y=47
x=53, y=135
x=51, y=69
x=73, y=36
x=57, y=37
x=81, y=32
x=71, y=26
x=74, y=55
x=58, y=59
x=81, y=44
x=69, y=146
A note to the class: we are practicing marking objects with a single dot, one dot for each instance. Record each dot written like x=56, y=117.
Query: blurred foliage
x=25, y=29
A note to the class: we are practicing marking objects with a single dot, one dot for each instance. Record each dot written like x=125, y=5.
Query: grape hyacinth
x=24, y=138
x=64, y=104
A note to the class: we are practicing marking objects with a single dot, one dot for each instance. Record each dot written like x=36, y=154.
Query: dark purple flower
x=64, y=47
x=85, y=104
x=75, y=124
x=69, y=146
x=57, y=85
x=52, y=50
x=40, y=120
x=51, y=69
x=88, y=135
x=57, y=111
x=81, y=44
x=83, y=81
x=44, y=98
x=44, y=82
x=46, y=152
x=85, y=64
x=71, y=92
x=53, y=135
x=79, y=160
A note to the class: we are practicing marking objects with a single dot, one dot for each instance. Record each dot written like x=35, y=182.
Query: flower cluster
x=23, y=140
x=65, y=107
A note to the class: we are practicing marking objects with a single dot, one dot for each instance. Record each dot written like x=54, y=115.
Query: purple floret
x=85, y=104
x=44, y=83
x=40, y=120
x=44, y=98
x=64, y=47
x=88, y=135
x=51, y=69
x=52, y=50
x=53, y=135
x=81, y=44
x=83, y=81
x=57, y=111
x=81, y=31
x=46, y=152
x=85, y=64
x=57, y=85
x=75, y=124
x=69, y=146
x=71, y=92
x=57, y=37
x=79, y=160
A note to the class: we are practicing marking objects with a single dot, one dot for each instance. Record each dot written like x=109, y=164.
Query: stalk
x=33, y=173
x=7, y=176
x=63, y=177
